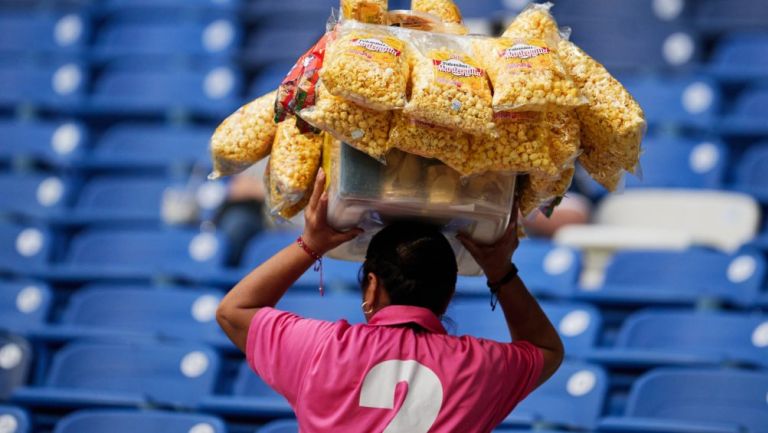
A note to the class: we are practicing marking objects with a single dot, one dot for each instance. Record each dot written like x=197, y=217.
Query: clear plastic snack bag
x=366, y=11
x=448, y=87
x=368, y=65
x=293, y=166
x=446, y=10
x=362, y=128
x=244, y=138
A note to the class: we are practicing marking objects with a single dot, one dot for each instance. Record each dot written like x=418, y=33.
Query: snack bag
x=445, y=9
x=450, y=146
x=537, y=191
x=534, y=21
x=293, y=165
x=414, y=20
x=277, y=203
x=367, y=65
x=243, y=138
x=297, y=89
x=526, y=74
x=448, y=88
x=362, y=128
x=366, y=11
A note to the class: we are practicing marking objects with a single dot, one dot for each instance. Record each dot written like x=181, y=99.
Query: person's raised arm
x=266, y=284
x=524, y=316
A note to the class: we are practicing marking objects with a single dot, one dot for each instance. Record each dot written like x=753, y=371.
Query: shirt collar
x=403, y=314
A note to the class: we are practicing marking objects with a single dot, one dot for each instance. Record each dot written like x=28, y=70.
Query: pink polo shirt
x=387, y=377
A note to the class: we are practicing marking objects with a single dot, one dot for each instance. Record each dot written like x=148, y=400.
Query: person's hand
x=495, y=259
x=318, y=235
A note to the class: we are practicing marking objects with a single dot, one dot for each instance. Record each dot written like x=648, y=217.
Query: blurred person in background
x=574, y=209
x=346, y=378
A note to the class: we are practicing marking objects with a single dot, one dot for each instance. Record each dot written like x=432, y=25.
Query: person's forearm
x=526, y=319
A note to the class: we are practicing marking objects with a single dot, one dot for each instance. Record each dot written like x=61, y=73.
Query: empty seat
x=690, y=101
x=573, y=397
x=116, y=421
x=15, y=363
x=24, y=249
x=659, y=337
x=578, y=324
x=268, y=79
x=681, y=163
x=720, y=15
x=750, y=172
x=14, y=420
x=741, y=57
x=260, y=45
x=667, y=277
x=281, y=426
x=747, y=117
x=55, y=143
x=250, y=397
x=698, y=401
x=121, y=199
x=547, y=269
x=143, y=36
x=60, y=86
x=24, y=305
x=174, y=5
x=332, y=307
x=93, y=374
x=29, y=30
x=153, y=91
x=644, y=10
x=34, y=195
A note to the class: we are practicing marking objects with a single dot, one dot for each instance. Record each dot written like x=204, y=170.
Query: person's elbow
x=554, y=354
x=224, y=316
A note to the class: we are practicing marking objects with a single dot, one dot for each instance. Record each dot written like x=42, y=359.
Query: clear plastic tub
x=364, y=193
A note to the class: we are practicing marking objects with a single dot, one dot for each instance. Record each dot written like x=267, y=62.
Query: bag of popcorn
x=364, y=129
x=366, y=11
x=243, y=138
x=448, y=87
x=445, y=9
x=367, y=64
x=526, y=74
x=293, y=165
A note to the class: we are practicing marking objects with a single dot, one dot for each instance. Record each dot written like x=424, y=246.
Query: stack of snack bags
x=529, y=102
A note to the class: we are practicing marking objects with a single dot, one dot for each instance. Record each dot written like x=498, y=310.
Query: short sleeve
x=280, y=348
x=525, y=363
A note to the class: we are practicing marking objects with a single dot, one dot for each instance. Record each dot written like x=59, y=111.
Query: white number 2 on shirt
x=422, y=402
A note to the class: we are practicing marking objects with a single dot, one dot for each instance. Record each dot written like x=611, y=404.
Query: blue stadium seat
x=143, y=36
x=55, y=143
x=24, y=305
x=29, y=30
x=747, y=117
x=151, y=146
x=680, y=278
x=137, y=311
x=573, y=397
x=93, y=374
x=660, y=337
x=154, y=91
x=720, y=15
x=547, y=269
x=268, y=79
x=689, y=102
x=15, y=419
x=59, y=86
x=578, y=324
x=281, y=426
x=24, y=249
x=750, y=172
x=250, y=397
x=15, y=363
x=332, y=307
x=173, y=5
x=121, y=199
x=125, y=421
x=94, y=254
x=34, y=195
x=700, y=401
x=647, y=11
x=260, y=45
x=681, y=163
x=741, y=57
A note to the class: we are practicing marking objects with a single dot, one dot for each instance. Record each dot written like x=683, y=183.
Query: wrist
x=310, y=247
x=497, y=272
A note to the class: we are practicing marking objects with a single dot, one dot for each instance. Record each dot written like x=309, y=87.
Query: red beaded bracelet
x=317, y=257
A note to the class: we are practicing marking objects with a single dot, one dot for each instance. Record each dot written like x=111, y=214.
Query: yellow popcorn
x=450, y=146
x=367, y=64
x=526, y=74
x=277, y=203
x=293, y=165
x=244, y=138
x=365, y=129
x=537, y=191
x=454, y=29
x=535, y=21
x=448, y=88
x=366, y=11
x=565, y=138
x=445, y=9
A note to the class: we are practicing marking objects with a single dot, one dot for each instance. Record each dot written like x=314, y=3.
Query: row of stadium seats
x=183, y=376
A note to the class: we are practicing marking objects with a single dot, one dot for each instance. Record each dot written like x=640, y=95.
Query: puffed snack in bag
x=366, y=11
x=293, y=165
x=367, y=64
x=448, y=87
x=445, y=9
x=244, y=138
x=362, y=128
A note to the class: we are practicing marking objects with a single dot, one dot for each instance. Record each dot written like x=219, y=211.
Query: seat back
x=124, y=197
x=693, y=101
x=249, y=384
x=53, y=142
x=741, y=55
x=751, y=170
x=282, y=426
x=547, y=268
x=15, y=363
x=61, y=85
x=147, y=37
x=23, y=305
x=143, y=144
x=681, y=163
x=721, y=15
x=15, y=420
x=332, y=307
x=34, y=194
x=25, y=31
x=124, y=421
x=751, y=104
x=23, y=248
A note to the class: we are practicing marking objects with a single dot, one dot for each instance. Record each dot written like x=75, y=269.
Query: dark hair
x=415, y=263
